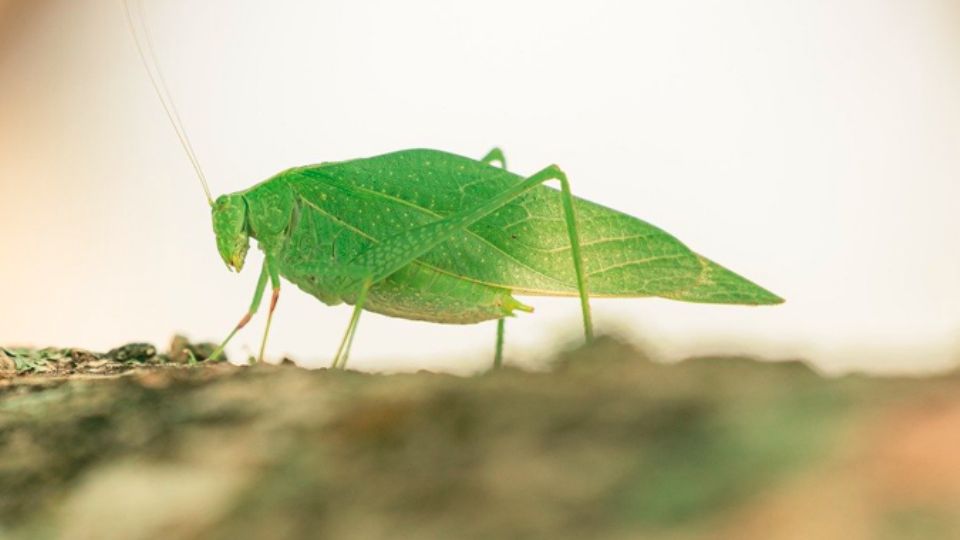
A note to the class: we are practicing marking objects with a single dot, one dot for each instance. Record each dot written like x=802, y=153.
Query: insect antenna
x=150, y=63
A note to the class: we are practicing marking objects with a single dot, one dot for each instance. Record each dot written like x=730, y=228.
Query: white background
x=810, y=146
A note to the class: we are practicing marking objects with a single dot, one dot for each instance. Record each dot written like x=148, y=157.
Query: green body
x=432, y=236
x=316, y=222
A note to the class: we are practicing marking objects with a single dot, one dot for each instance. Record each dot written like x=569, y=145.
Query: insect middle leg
x=343, y=352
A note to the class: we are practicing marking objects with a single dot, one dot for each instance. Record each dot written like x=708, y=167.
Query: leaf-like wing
x=524, y=246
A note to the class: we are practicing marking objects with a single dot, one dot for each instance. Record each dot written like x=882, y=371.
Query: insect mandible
x=433, y=236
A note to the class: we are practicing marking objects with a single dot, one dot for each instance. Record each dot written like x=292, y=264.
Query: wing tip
x=767, y=298
x=718, y=285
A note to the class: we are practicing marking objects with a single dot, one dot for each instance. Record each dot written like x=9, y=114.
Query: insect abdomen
x=421, y=293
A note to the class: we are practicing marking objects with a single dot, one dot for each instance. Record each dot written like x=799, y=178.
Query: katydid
x=433, y=236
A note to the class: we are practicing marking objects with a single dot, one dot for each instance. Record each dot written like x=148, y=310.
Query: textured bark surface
x=605, y=445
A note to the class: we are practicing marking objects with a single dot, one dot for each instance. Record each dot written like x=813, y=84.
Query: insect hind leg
x=496, y=154
x=498, y=352
x=393, y=253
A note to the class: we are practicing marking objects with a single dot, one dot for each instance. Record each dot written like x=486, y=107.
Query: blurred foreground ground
x=606, y=445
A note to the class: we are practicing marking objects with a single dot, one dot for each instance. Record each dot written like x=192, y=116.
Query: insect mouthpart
x=234, y=253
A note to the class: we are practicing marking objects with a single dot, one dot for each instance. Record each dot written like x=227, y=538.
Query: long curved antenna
x=150, y=63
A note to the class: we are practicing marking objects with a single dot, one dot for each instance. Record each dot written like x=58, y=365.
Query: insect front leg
x=270, y=265
x=257, y=297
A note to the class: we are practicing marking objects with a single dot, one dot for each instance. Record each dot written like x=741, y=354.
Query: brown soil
x=137, y=445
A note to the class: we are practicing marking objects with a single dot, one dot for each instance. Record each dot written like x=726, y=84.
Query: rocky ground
x=133, y=444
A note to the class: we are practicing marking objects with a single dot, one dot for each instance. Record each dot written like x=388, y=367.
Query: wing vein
x=430, y=266
x=481, y=239
x=635, y=262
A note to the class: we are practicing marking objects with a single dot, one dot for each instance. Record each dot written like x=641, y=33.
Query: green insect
x=433, y=236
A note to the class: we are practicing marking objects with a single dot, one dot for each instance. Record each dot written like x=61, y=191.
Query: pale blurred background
x=811, y=146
